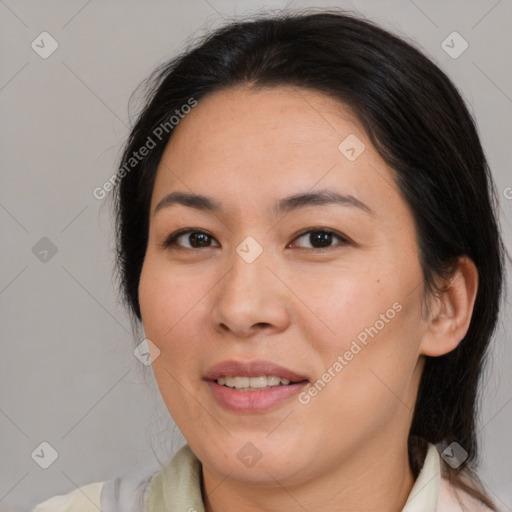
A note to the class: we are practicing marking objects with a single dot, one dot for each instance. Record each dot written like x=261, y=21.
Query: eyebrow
x=287, y=204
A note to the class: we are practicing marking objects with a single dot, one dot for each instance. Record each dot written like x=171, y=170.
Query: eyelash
x=171, y=240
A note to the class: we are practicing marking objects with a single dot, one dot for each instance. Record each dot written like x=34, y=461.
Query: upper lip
x=254, y=368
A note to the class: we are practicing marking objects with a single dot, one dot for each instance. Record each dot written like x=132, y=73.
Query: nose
x=250, y=299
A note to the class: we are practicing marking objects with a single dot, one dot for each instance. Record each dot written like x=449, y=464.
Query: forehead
x=249, y=144
x=260, y=124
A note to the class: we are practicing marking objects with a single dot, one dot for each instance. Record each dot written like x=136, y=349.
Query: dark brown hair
x=421, y=127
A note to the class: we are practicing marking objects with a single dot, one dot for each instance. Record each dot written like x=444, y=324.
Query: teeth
x=273, y=381
x=252, y=383
x=258, y=382
x=241, y=382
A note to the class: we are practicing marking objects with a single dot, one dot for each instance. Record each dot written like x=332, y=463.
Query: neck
x=377, y=478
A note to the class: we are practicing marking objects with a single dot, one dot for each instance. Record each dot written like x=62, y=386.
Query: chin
x=258, y=461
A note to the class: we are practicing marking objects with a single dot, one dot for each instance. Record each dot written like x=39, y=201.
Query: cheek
x=174, y=309
x=368, y=336
x=372, y=300
x=169, y=308
x=167, y=302
x=345, y=303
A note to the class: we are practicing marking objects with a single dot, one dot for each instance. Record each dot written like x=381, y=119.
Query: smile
x=253, y=386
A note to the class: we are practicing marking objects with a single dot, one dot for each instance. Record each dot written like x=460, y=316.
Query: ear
x=451, y=312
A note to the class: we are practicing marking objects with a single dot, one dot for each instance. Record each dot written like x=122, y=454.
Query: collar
x=424, y=494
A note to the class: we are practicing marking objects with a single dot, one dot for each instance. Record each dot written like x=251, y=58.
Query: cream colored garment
x=83, y=499
x=176, y=488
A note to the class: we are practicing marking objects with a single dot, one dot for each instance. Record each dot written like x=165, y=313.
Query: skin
x=294, y=305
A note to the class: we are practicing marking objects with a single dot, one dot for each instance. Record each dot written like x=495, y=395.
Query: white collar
x=424, y=494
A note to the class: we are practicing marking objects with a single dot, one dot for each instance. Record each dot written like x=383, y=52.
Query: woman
x=306, y=232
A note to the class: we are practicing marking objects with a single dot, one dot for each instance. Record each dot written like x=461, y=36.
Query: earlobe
x=451, y=314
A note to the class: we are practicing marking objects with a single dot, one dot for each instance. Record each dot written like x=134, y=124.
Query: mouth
x=253, y=386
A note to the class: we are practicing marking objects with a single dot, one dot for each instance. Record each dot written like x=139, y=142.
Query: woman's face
x=323, y=289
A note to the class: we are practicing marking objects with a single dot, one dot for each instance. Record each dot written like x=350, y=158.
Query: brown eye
x=198, y=239
x=195, y=239
x=321, y=239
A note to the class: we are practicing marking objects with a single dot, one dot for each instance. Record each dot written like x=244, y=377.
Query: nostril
x=262, y=324
x=257, y=325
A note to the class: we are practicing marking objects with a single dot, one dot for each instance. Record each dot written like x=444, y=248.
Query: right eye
x=196, y=239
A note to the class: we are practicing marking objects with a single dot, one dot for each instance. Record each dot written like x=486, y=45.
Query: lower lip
x=253, y=401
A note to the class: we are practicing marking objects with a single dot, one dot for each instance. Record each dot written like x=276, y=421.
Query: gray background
x=67, y=370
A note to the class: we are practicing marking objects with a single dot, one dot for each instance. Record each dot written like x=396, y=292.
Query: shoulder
x=456, y=500
x=82, y=499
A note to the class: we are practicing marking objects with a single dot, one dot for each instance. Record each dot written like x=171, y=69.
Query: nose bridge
x=249, y=262
x=250, y=295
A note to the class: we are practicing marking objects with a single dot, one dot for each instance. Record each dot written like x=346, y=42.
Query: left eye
x=321, y=238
